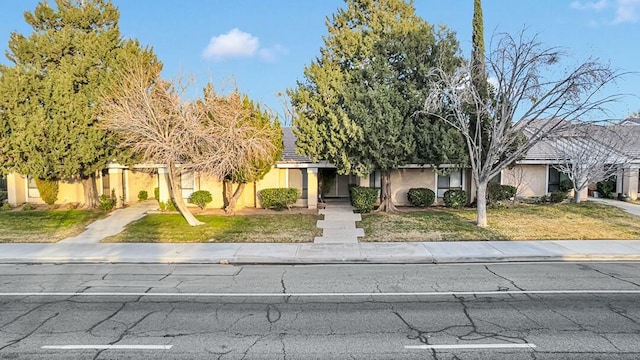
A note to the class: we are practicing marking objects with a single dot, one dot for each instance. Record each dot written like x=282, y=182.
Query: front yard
x=276, y=228
x=520, y=222
x=44, y=225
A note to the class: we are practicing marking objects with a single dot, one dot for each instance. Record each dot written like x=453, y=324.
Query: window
x=32, y=188
x=298, y=180
x=106, y=188
x=448, y=182
x=187, y=183
x=555, y=178
x=374, y=179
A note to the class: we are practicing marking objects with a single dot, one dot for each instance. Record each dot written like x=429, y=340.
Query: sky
x=264, y=46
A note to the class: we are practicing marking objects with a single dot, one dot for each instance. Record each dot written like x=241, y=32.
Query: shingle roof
x=289, y=154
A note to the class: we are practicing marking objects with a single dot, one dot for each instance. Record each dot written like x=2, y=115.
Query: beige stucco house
x=534, y=175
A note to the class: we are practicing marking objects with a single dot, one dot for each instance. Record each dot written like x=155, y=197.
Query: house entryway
x=339, y=224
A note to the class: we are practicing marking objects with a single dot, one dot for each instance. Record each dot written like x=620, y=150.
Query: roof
x=289, y=153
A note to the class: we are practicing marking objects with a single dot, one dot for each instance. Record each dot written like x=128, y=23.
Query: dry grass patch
x=588, y=221
x=172, y=228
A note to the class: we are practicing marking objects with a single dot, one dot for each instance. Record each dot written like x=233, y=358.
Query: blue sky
x=265, y=45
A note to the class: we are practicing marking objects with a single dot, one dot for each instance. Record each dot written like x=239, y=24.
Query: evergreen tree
x=356, y=108
x=49, y=97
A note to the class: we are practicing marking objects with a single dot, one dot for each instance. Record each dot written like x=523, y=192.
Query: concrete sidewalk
x=631, y=208
x=309, y=253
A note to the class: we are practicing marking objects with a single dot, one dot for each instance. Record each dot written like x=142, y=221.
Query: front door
x=334, y=185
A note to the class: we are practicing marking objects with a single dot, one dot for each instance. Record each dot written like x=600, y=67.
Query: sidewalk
x=631, y=208
x=309, y=253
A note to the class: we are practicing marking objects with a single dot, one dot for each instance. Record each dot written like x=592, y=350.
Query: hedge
x=48, y=190
x=497, y=192
x=421, y=197
x=201, y=198
x=278, y=198
x=455, y=198
x=363, y=198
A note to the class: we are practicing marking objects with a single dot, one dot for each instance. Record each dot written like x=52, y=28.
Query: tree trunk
x=386, y=204
x=577, y=199
x=230, y=200
x=481, y=204
x=176, y=196
x=90, y=192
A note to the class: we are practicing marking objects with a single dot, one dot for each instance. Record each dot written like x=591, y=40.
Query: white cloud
x=627, y=11
x=272, y=54
x=590, y=5
x=233, y=44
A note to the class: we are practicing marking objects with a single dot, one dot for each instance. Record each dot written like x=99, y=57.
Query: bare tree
x=152, y=120
x=589, y=153
x=527, y=86
x=518, y=178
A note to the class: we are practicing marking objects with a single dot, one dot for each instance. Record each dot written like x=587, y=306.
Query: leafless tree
x=518, y=178
x=528, y=84
x=589, y=153
x=153, y=121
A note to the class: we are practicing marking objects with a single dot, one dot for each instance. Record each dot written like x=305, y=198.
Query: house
x=534, y=175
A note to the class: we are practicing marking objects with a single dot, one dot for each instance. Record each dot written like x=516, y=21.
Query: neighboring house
x=534, y=175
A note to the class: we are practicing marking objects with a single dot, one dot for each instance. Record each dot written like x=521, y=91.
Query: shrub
x=557, y=196
x=605, y=188
x=143, y=195
x=5, y=207
x=421, y=197
x=363, y=198
x=497, y=192
x=28, y=206
x=201, y=198
x=278, y=198
x=169, y=205
x=48, y=190
x=107, y=203
x=455, y=198
x=156, y=193
x=565, y=185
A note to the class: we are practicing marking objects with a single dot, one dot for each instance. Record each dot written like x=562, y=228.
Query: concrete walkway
x=113, y=224
x=339, y=224
x=631, y=208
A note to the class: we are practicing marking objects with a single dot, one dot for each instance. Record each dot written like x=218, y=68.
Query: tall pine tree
x=49, y=96
x=356, y=108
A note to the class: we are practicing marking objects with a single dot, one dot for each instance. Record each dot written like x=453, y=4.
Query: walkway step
x=325, y=224
x=357, y=232
x=335, y=240
x=336, y=211
x=342, y=217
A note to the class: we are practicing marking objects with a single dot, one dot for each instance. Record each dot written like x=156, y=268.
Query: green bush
x=106, y=203
x=557, y=196
x=156, y=193
x=455, y=198
x=48, y=190
x=605, y=188
x=28, y=207
x=565, y=185
x=363, y=198
x=421, y=197
x=169, y=205
x=201, y=198
x=278, y=198
x=497, y=192
x=143, y=195
x=5, y=207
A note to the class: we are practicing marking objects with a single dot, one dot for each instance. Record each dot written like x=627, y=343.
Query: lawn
x=276, y=228
x=521, y=222
x=44, y=225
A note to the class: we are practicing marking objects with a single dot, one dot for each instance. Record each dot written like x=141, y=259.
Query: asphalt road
x=470, y=311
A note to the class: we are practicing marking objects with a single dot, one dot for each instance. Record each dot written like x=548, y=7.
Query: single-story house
x=534, y=175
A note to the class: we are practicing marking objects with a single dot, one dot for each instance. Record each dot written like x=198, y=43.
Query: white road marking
x=108, y=347
x=470, y=346
x=427, y=294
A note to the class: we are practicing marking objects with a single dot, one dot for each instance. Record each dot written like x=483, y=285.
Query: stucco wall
x=16, y=189
x=531, y=180
x=138, y=180
x=404, y=179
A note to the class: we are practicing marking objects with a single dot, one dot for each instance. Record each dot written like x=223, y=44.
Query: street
x=458, y=311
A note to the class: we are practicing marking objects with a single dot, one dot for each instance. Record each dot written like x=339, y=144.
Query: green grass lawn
x=521, y=222
x=44, y=225
x=275, y=228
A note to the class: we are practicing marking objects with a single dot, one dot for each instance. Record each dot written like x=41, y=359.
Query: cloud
x=590, y=5
x=272, y=54
x=627, y=11
x=234, y=44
